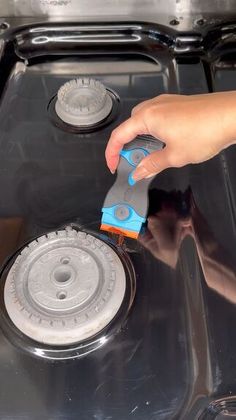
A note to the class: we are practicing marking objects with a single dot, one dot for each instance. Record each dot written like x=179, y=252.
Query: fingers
x=152, y=165
x=173, y=119
x=126, y=132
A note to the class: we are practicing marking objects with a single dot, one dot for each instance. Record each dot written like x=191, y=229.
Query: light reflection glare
x=103, y=340
x=38, y=352
x=86, y=38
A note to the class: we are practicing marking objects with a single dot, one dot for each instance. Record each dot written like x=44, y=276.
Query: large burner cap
x=83, y=102
x=64, y=287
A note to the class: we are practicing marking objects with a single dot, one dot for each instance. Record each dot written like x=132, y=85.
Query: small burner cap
x=64, y=288
x=83, y=102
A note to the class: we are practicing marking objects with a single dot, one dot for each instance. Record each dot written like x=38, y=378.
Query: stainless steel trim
x=174, y=11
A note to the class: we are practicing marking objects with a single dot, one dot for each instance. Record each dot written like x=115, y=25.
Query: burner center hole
x=61, y=295
x=65, y=260
x=62, y=274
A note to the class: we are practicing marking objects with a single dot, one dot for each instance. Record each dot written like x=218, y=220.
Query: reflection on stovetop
x=175, y=217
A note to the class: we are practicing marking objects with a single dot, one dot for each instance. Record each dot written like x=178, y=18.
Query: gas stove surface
x=167, y=351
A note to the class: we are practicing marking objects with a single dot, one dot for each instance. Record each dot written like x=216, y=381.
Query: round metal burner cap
x=83, y=102
x=64, y=288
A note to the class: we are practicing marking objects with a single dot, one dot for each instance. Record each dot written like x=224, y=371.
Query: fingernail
x=140, y=173
x=112, y=171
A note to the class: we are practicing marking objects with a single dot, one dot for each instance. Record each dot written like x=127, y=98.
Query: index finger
x=123, y=134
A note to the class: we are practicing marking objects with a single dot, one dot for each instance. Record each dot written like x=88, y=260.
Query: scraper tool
x=126, y=204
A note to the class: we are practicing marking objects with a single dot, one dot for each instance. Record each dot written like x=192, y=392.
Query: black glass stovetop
x=175, y=356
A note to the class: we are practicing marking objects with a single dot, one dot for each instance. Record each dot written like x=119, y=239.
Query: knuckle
x=135, y=109
x=152, y=164
x=107, y=153
x=164, y=96
x=177, y=159
x=150, y=111
x=141, y=106
x=173, y=159
x=114, y=133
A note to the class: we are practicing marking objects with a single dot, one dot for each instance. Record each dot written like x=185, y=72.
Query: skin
x=194, y=128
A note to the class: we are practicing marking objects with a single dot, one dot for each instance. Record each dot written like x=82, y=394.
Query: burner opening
x=83, y=102
x=83, y=112
x=65, y=260
x=61, y=295
x=62, y=274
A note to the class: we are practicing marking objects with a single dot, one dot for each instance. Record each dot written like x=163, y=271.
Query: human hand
x=194, y=128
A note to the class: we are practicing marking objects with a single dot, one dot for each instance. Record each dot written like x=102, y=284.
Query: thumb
x=152, y=165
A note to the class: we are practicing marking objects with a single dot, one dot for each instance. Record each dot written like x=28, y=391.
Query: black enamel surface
x=176, y=352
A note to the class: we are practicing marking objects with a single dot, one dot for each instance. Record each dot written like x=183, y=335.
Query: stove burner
x=83, y=102
x=64, y=288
